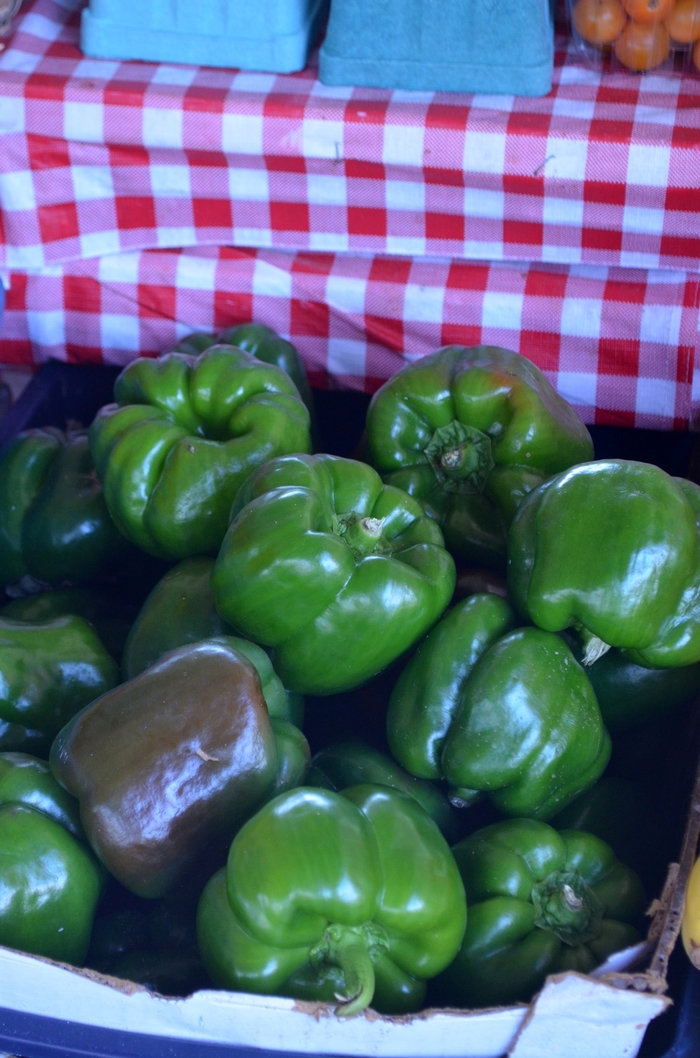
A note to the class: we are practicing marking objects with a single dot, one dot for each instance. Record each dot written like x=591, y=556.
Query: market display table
x=367, y=216
x=100, y=157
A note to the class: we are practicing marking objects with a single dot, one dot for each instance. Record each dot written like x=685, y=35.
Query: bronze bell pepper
x=169, y=765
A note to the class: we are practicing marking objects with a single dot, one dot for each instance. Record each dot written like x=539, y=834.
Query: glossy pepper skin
x=49, y=670
x=183, y=435
x=612, y=549
x=111, y=618
x=181, y=610
x=469, y=432
x=352, y=763
x=262, y=342
x=26, y=780
x=293, y=755
x=54, y=523
x=506, y=713
x=335, y=571
x=167, y=766
x=426, y=696
x=677, y=642
x=540, y=902
x=326, y=895
x=50, y=886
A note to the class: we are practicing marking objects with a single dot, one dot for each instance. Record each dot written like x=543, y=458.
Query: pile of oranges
x=642, y=33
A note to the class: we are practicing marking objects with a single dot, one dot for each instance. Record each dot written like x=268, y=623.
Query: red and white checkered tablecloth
x=618, y=343
x=101, y=157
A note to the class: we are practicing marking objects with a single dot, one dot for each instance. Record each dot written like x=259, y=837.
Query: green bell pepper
x=111, y=618
x=48, y=671
x=507, y=713
x=540, y=902
x=180, y=610
x=426, y=696
x=167, y=766
x=26, y=780
x=469, y=432
x=352, y=763
x=54, y=523
x=612, y=549
x=325, y=895
x=262, y=342
x=195, y=343
x=183, y=435
x=335, y=571
x=293, y=755
x=677, y=642
x=629, y=694
x=50, y=886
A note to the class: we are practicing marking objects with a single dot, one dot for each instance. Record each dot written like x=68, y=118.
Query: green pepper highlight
x=352, y=763
x=540, y=902
x=611, y=549
x=26, y=780
x=264, y=344
x=355, y=896
x=469, y=432
x=49, y=670
x=509, y=714
x=54, y=523
x=181, y=438
x=50, y=886
x=336, y=572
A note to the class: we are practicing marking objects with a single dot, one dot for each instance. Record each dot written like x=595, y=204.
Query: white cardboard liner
x=573, y=1017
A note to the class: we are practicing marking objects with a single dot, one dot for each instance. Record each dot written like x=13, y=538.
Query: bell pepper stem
x=567, y=907
x=462, y=797
x=353, y=958
x=362, y=535
x=461, y=457
x=593, y=647
x=351, y=949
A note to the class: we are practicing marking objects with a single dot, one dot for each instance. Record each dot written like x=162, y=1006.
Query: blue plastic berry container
x=269, y=35
x=487, y=46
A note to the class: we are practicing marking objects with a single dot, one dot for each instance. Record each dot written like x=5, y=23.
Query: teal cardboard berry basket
x=269, y=35
x=487, y=46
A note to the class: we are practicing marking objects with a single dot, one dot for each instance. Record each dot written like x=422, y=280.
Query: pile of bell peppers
x=188, y=792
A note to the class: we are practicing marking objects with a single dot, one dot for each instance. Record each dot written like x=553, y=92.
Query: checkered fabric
x=617, y=343
x=101, y=157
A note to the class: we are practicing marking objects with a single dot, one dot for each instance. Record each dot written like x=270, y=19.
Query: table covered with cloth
x=141, y=201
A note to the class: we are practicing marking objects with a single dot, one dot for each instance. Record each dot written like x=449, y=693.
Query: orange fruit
x=648, y=11
x=598, y=21
x=642, y=47
x=683, y=23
